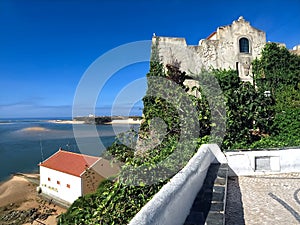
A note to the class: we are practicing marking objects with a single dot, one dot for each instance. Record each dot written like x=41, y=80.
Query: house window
x=49, y=179
x=58, y=182
x=68, y=186
x=244, y=45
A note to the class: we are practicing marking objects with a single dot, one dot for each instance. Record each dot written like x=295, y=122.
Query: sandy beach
x=66, y=121
x=126, y=121
x=18, y=197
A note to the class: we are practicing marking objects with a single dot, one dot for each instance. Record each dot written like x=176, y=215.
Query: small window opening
x=244, y=45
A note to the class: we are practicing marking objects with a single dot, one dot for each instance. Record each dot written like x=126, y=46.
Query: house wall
x=220, y=51
x=99, y=171
x=61, y=191
x=90, y=181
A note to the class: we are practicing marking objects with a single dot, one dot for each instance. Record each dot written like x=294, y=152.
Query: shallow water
x=24, y=143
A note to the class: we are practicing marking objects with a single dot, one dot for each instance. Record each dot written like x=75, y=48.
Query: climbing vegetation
x=177, y=119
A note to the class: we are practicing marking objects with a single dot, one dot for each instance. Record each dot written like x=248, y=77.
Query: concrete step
x=208, y=206
x=195, y=218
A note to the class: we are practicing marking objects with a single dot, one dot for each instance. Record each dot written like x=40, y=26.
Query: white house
x=65, y=175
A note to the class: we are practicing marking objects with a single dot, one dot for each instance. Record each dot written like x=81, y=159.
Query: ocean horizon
x=25, y=142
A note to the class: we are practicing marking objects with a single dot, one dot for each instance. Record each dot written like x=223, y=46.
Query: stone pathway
x=266, y=199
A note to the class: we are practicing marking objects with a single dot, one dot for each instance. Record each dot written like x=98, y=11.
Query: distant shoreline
x=104, y=122
x=98, y=120
x=125, y=121
x=66, y=121
x=108, y=120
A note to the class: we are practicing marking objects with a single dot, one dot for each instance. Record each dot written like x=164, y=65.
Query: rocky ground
x=20, y=203
x=12, y=216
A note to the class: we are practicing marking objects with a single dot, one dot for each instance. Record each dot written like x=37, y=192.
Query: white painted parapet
x=243, y=163
x=171, y=205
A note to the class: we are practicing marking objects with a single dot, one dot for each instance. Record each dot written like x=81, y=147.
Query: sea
x=24, y=143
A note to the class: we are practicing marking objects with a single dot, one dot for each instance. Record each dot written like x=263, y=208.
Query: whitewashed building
x=65, y=175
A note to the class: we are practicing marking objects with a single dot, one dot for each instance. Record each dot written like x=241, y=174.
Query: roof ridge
x=49, y=157
x=75, y=153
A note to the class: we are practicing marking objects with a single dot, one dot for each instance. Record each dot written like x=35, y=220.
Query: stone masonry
x=233, y=46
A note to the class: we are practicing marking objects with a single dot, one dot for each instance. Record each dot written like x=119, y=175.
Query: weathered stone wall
x=229, y=50
x=219, y=50
x=296, y=50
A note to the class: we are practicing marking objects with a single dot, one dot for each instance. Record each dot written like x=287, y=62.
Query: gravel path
x=267, y=199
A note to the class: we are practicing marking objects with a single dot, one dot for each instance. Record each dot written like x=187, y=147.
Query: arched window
x=244, y=45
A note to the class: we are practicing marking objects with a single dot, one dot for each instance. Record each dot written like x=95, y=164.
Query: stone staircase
x=209, y=205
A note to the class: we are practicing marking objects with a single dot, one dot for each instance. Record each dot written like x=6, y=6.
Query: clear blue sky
x=46, y=46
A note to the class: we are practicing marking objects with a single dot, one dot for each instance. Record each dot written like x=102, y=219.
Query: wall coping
x=261, y=149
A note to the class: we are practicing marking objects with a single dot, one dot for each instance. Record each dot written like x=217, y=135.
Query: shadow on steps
x=209, y=205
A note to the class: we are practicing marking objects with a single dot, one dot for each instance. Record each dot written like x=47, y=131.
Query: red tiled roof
x=69, y=162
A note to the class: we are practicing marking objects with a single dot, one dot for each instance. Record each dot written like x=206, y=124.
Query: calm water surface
x=24, y=143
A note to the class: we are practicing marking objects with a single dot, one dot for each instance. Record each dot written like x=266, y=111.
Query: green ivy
x=117, y=201
x=253, y=120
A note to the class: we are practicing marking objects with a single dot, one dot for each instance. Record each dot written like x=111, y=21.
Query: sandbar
x=35, y=129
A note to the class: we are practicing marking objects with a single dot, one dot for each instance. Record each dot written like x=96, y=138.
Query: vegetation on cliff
x=175, y=124
x=278, y=72
x=167, y=129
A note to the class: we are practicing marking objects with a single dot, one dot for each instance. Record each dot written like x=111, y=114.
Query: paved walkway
x=267, y=199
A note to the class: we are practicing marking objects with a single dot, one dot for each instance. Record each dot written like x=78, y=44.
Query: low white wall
x=280, y=161
x=171, y=205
